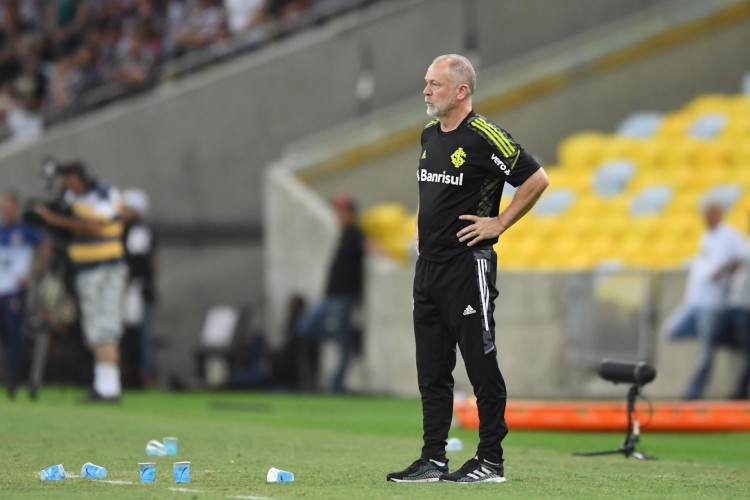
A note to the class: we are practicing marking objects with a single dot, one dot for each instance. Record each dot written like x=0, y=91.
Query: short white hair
x=461, y=68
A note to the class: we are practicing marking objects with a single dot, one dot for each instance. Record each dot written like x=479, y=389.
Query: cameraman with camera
x=91, y=215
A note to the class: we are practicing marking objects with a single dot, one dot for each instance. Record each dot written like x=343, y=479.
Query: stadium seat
x=707, y=126
x=640, y=125
x=650, y=200
x=582, y=151
x=725, y=194
x=612, y=177
x=554, y=202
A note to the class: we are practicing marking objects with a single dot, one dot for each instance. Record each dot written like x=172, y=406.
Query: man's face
x=9, y=209
x=712, y=215
x=440, y=92
x=74, y=182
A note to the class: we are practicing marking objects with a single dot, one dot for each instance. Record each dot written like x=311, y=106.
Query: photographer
x=93, y=220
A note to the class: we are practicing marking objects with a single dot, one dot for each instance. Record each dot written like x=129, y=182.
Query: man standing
x=738, y=316
x=96, y=252
x=700, y=314
x=464, y=163
x=139, y=241
x=18, y=244
x=332, y=317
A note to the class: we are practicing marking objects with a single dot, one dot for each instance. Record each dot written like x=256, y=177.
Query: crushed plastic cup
x=147, y=471
x=170, y=445
x=155, y=448
x=454, y=444
x=181, y=471
x=52, y=473
x=93, y=471
x=279, y=476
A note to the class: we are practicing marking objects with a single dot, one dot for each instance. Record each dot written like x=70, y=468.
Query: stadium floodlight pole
x=638, y=374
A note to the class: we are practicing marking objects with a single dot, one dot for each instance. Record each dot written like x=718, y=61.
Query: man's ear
x=463, y=91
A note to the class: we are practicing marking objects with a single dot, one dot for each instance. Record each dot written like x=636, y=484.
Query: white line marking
x=184, y=490
x=248, y=497
x=114, y=481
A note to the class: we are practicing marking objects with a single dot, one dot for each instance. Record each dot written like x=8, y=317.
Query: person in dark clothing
x=465, y=161
x=296, y=362
x=140, y=242
x=332, y=318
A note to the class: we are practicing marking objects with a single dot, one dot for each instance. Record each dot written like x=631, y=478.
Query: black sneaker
x=94, y=397
x=421, y=471
x=477, y=470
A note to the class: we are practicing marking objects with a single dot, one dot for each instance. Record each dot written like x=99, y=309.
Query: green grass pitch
x=337, y=447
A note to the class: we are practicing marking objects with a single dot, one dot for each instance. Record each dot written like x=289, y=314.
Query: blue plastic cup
x=52, y=473
x=170, y=444
x=92, y=471
x=181, y=472
x=279, y=476
x=148, y=471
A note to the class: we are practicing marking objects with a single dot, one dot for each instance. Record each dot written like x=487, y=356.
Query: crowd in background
x=52, y=52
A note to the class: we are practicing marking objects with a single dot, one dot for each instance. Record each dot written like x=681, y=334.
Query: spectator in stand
x=87, y=69
x=201, y=26
x=151, y=19
x=14, y=31
x=67, y=20
x=65, y=85
x=288, y=9
x=136, y=66
x=22, y=108
x=123, y=41
x=246, y=17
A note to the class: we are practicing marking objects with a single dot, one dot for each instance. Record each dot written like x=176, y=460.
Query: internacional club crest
x=458, y=157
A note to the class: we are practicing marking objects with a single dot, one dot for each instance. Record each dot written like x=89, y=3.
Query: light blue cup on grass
x=181, y=472
x=147, y=472
x=170, y=445
x=52, y=473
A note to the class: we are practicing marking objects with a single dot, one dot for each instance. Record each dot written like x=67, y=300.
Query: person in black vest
x=332, y=318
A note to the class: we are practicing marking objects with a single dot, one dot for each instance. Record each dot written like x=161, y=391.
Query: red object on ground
x=682, y=416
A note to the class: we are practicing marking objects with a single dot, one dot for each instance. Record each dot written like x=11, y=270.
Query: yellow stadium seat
x=708, y=103
x=582, y=151
x=673, y=126
x=616, y=148
x=381, y=220
x=652, y=153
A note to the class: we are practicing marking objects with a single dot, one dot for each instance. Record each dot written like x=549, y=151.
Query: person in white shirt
x=738, y=315
x=699, y=315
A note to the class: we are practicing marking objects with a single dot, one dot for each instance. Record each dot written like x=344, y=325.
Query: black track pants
x=453, y=305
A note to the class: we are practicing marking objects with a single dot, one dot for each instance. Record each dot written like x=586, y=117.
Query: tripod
x=632, y=434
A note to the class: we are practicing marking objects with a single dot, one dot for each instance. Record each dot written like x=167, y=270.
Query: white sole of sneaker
x=428, y=480
x=488, y=480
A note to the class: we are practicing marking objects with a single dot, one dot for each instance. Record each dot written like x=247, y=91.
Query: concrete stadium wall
x=531, y=317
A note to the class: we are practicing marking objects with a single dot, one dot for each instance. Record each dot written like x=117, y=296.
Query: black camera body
x=54, y=200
